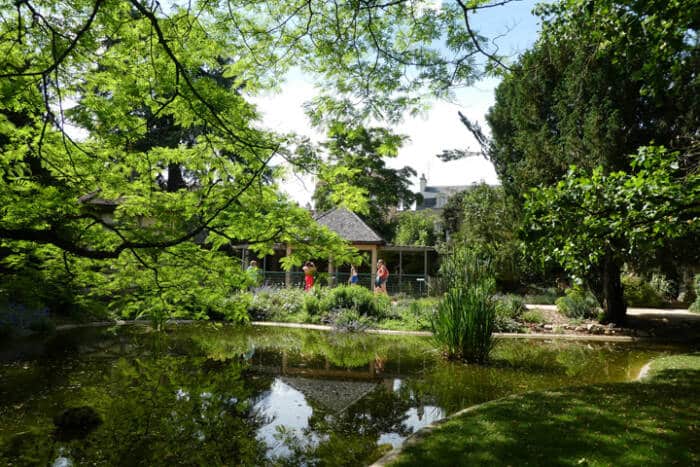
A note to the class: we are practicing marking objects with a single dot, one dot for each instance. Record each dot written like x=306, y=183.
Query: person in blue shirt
x=354, y=277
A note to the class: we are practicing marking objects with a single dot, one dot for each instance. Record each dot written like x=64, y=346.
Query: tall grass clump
x=465, y=319
x=578, y=304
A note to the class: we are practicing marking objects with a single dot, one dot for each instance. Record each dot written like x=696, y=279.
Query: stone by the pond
x=76, y=422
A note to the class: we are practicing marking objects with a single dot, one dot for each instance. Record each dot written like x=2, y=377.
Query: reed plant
x=465, y=320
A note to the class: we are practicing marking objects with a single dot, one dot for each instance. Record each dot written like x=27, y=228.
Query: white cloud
x=438, y=129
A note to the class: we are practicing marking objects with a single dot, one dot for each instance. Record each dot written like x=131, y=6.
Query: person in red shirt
x=309, y=271
x=382, y=276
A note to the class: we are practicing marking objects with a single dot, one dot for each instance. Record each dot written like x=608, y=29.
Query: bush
x=696, y=304
x=464, y=323
x=533, y=316
x=235, y=308
x=350, y=321
x=503, y=323
x=542, y=296
x=312, y=302
x=16, y=318
x=274, y=304
x=510, y=306
x=360, y=299
x=43, y=326
x=578, y=304
x=639, y=292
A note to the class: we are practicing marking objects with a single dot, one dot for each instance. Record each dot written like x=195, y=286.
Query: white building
x=435, y=197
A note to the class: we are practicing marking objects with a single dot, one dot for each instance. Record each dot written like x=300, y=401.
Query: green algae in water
x=206, y=395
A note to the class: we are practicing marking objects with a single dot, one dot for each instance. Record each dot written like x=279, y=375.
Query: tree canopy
x=590, y=215
x=131, y=152
x=420, y=228
x=605, y=79
x=357, y=177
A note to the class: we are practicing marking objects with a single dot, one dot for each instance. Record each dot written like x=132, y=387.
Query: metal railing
x=415, y=285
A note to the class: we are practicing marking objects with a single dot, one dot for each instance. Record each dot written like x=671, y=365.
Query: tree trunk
x=175, y=179
x=614, y=306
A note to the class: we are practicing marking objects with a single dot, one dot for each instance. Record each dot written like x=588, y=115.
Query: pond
x=222, y=395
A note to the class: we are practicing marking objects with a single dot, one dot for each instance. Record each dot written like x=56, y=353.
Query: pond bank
x=388, y=332
x=644, y=324
x=652, y=421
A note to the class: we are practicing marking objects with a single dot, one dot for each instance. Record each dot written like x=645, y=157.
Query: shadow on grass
x=655, y=423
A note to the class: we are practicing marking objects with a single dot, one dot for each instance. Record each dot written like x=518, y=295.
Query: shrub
x=542, y=296
x=312, y=303
x=578, y=304
x=696, y=304
x=533, y=316
x=464, y=323
x=510, y=306
x=503, y=323
x=276, y=303
x=235, y=308
x=639, y=292
x=360, y=299
x=350, y=321
x=18, y=318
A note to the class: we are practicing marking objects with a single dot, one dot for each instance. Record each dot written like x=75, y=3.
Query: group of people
x=354, y=279
x=309, y=269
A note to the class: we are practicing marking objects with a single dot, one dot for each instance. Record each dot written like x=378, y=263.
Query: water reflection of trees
x=162, y=411
x=187, y=398
x=349, y=437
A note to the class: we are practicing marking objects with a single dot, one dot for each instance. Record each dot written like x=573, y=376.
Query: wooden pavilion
x=355, y=231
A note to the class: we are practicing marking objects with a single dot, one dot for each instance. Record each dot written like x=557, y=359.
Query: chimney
x=423, y=182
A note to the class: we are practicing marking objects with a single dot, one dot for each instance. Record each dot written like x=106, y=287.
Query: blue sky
x=437, y=129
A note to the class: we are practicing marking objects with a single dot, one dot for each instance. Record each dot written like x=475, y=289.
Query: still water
x=222, y=395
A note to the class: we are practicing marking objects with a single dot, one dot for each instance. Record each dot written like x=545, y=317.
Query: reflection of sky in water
x=285, y=407
x=282, y=406
x=416, y=418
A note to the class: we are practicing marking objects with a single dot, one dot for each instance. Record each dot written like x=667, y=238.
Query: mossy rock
x=76, y=422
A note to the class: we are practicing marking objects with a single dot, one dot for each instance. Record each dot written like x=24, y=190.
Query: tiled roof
x=349, y=226
x=336, y=396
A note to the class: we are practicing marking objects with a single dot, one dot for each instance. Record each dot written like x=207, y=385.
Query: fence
x=415, y=285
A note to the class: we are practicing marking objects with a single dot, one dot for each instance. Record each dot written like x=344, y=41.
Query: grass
x=654, y=422
x=533, y=316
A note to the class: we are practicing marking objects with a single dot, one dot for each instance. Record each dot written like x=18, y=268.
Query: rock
x=579, y=329
x=548, y=327
x=589, y=327
x=76, y=422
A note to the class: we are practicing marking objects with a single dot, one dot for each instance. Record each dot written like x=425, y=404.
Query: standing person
x=382, y=276
x=354, y=277
x=309, y=271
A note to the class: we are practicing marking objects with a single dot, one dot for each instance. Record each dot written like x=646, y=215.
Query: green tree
x=417, y=228
x=136, y=68
x=357, y=164
x=490, y=224
x=604, y=79
x=592, y=217
x=452, y=214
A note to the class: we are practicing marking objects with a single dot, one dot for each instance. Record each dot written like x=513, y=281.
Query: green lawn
x=654, y=422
